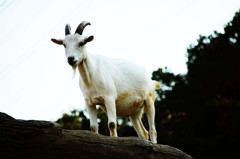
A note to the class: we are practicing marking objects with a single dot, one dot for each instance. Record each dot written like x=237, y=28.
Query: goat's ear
x=88, y=39
x=59, y=42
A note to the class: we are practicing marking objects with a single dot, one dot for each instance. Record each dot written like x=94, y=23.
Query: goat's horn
x=81, y=27
x=67, y=29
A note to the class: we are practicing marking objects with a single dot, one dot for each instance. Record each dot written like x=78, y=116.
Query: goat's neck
x=84, y=70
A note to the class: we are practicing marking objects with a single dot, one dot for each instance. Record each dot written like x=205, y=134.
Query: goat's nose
x=71, y=60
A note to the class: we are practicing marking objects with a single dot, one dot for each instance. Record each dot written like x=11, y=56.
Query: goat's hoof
x=112, y=125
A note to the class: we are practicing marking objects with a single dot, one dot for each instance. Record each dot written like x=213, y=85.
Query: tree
x=199, y=112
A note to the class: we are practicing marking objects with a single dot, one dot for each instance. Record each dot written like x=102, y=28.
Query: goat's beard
x=74, y=70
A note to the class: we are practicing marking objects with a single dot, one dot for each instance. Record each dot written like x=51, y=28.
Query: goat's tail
x=157, y=85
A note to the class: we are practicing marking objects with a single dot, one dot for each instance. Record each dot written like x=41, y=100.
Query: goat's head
x=74, y=44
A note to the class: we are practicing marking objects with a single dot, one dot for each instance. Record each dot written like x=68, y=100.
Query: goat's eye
x=81, y=43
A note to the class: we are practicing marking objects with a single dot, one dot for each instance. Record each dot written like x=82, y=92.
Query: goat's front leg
x=92, y=112
x=112, y=116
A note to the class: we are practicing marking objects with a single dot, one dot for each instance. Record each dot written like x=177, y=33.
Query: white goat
x=117, y=86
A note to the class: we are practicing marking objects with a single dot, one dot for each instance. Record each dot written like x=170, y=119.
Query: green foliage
x=199, y=112
x=77, y=120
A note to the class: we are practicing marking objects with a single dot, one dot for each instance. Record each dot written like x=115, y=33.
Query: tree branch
x=43, y=139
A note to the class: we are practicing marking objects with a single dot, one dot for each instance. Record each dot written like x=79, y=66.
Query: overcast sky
x=35, y=79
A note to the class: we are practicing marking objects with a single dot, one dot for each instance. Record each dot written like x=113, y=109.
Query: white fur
x=118, y=86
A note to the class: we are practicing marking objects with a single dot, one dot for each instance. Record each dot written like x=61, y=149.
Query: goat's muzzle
x=71, y=60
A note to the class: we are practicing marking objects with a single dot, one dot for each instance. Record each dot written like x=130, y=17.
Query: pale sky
x=35, y=79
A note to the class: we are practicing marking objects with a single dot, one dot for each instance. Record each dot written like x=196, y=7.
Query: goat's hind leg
x=150, y=113
x=138, y=126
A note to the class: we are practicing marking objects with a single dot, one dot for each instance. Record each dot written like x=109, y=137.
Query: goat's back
x=123, y=75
